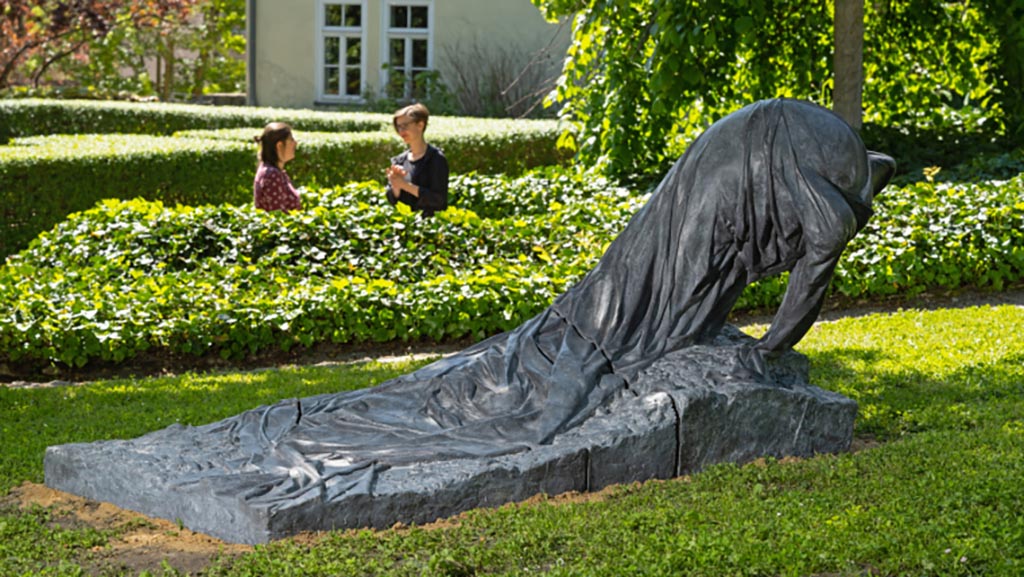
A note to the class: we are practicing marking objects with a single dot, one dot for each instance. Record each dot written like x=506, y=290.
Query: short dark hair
x=272, y=134
x=418, y=112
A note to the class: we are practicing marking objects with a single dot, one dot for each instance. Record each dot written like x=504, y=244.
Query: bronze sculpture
x=780, y=185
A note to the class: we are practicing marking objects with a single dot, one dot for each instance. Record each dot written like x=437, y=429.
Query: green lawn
x=940, y=494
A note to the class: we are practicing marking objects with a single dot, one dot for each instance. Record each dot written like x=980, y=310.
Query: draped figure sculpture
x=780, y=185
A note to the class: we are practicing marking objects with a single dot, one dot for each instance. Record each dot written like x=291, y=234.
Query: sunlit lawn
x=942, y=392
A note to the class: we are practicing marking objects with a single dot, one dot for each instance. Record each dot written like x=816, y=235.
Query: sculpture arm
x=805, y=294
x=827, y=223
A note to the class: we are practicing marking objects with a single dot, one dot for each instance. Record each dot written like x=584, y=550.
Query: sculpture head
x=882, y=167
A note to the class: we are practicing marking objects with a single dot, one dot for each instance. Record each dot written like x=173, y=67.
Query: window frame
x=344, y=33
x=388, y=33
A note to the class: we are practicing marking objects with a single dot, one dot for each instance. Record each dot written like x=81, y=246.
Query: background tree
x=642, y=77
x=46, y=31
x=191, y=46
x=216, y=40
x=161, y=27
x=1006, y=19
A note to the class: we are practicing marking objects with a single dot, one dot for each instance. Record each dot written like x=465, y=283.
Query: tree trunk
x=158, y=85
x=168, y=87
x=849, y=60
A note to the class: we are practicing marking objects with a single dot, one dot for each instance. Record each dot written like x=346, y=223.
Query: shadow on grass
x=895, y=402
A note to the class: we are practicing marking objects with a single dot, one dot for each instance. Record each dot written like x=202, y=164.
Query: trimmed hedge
x=126, y=277
x=45, y=178
x=36, y=117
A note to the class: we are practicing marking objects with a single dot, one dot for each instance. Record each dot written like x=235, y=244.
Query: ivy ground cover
x=134, y=276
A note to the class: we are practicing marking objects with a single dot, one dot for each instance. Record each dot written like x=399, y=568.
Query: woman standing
x=419, y=176
x=272, y=189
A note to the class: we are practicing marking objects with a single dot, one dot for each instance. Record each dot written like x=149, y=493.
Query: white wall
x=285, y=42
x=286, y=37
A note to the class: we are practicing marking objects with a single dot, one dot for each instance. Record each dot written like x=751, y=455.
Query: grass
x=942, y=391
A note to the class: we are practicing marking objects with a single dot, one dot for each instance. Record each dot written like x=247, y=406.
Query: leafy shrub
x=998, y=166
x=128, y=276
x=46, y=178
x=941, y=235
x=131, y=275
x=916, y=149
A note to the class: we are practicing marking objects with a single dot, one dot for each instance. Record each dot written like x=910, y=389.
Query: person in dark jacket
x=419, y=176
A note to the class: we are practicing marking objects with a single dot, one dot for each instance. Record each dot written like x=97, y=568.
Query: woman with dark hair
x=419, y=176
x=272, y=189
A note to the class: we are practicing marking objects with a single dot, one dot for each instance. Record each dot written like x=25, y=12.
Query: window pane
x=396, y=84
x=332, y=14
x=353, y=15
x=399, y=16
x=419, y=53
x=419, y=85
x=354, y=53
x=419, y=17
x=396, y=56
x=331, y=79
x=352, y=82
x=332, y=50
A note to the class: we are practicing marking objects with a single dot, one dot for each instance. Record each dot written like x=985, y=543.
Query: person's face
x=410, y=130
x=286, y=149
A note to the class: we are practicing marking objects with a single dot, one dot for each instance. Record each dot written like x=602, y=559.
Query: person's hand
x=396, y=178
x=396, y=183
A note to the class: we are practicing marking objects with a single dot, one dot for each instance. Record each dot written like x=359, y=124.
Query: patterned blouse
x=273, y=190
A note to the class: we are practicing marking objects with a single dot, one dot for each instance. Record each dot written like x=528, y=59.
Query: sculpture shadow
x=896, y=401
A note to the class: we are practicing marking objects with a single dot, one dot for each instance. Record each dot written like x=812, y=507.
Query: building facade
x=320, y=53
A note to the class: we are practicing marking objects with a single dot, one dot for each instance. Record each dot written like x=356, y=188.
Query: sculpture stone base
x=691, y=409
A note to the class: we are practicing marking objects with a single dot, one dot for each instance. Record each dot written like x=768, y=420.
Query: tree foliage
x=1006, y=19
x=216, y=40
x=92, y=43
x=48, y=28
x=643, y=76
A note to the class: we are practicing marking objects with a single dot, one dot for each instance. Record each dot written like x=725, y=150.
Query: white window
x=408, y=25
x=341, y=50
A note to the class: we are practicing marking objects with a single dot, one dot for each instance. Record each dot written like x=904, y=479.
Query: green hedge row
x=37, y=117
x=131, y=276
x=45, y=178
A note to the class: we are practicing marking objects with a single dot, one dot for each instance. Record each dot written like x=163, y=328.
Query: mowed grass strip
x=941, y=394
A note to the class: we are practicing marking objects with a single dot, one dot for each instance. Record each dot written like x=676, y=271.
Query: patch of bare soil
x=144, y=543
